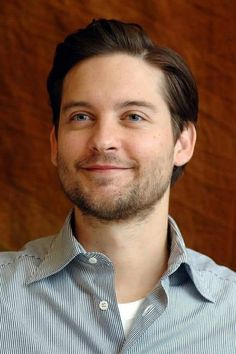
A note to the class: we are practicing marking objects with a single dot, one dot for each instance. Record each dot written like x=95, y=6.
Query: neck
x=137, y=248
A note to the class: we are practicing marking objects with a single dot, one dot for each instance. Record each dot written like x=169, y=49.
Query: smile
x=105, y=168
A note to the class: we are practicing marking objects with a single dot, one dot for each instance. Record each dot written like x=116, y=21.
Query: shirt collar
x=65, y=247
x=180, y=260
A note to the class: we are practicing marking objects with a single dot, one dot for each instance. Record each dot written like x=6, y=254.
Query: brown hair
x=111, y=36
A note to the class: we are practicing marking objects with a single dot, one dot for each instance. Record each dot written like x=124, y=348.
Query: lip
x=105, y=167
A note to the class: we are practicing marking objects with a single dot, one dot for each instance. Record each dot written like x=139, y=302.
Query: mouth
x=105, y=168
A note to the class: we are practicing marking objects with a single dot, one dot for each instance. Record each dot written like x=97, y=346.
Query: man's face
x=115, y=150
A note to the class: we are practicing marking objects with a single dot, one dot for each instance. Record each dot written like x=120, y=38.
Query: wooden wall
x=204, y=32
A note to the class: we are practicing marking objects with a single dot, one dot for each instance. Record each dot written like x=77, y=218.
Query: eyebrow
x=119, y=105
x=75, y=104
x=136, y=103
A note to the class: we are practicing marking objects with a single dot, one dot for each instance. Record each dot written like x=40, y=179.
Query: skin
x=115, y=148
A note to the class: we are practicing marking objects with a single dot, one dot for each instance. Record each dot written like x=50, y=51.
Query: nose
x=105, y=136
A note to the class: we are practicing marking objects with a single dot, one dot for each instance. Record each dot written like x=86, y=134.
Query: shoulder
x=34, y=251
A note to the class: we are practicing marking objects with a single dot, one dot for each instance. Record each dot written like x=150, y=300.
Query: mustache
x=103, y=160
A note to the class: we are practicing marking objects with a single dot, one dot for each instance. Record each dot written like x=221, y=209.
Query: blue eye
x=80, y=117
x=135, y=117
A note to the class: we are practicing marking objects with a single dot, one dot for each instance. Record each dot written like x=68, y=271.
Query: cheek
x=144, y=152
x=154, y=151
x=144, y=147
x=70, y=147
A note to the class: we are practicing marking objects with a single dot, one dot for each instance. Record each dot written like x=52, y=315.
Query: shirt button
x=93, y=260
x=147, y=310
x=103, y=305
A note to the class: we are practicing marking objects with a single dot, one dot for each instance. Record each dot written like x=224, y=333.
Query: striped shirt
x=56, y=298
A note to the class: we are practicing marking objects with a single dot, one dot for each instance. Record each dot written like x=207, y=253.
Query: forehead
x=109, y=76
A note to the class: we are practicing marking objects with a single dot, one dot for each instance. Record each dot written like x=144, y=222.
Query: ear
x=184, y=145
x=53, y=143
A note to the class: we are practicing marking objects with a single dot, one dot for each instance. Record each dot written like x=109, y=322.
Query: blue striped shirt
x=56, y=298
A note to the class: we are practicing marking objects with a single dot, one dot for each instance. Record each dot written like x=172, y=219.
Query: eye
x=80, y=117
x=133, y=117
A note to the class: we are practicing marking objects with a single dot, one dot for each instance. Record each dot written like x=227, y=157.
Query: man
x=118, y=278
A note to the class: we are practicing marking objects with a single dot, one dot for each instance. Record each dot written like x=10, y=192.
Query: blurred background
x=203, y=32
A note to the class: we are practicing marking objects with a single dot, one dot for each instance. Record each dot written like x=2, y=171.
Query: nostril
x=103, y=148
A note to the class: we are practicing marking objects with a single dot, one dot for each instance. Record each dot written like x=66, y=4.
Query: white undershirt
x=128, y=312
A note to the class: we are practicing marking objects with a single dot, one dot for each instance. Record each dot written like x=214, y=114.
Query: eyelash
x=136, y=115
x=127, y=115
x=79, y=114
